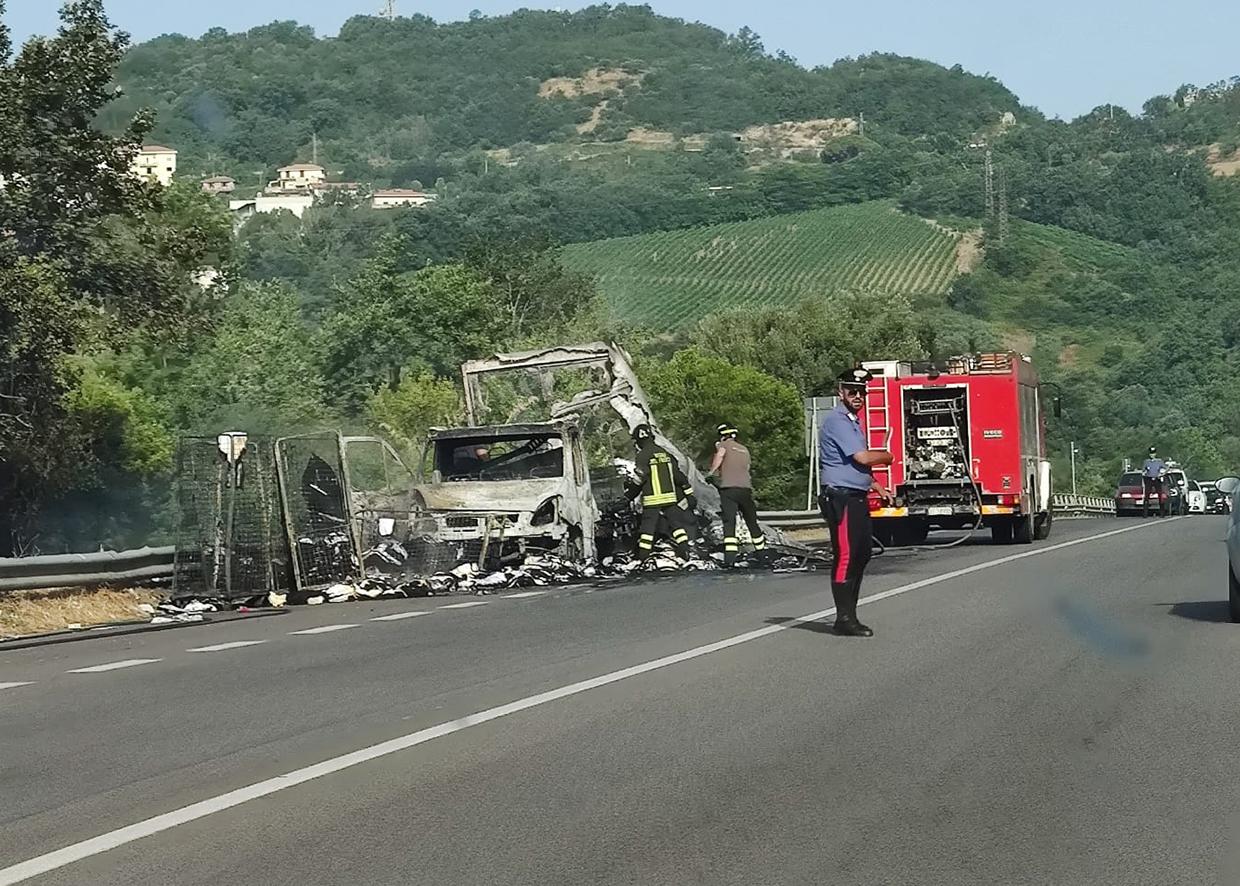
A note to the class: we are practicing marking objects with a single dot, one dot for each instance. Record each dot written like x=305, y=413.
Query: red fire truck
x=968, y=436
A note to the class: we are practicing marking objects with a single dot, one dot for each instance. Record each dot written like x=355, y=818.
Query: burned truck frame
x=594, y=384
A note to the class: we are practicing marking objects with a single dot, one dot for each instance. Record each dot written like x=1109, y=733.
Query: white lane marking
x=115, y=665
x=523, y=595
x=324, y=629
x=58, y=858
x=15, y=685
x=399, y=615
x=464, y=605
x=220, y=647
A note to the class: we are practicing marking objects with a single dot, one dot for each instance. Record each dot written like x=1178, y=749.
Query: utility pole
x=389, y=10
x=862, y=116
x=1003, y=205
x=1074, y=453
x=990, y=185
x=314, y=148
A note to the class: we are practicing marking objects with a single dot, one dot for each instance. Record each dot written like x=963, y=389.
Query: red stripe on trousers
x=841, y=565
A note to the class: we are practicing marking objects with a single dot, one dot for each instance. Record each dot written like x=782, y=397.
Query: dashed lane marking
x=324, y=629
x=465, y=605
x=115, y=665
x=523, y=595
x=15, y=685
x=221, y=647
x=399, y=615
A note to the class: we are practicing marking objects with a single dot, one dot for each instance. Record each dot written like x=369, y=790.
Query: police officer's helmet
x=854, y=378
x=642, y=433
x=726, y=430
x=1152, y=451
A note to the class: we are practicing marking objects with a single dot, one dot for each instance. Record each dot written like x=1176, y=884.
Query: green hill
x=674, y=278
x=389, y=100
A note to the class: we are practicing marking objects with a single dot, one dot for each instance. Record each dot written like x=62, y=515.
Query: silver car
x=1229, y=486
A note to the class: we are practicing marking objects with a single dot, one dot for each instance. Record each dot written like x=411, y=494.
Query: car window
x=1130, y=479
x=1193, y=487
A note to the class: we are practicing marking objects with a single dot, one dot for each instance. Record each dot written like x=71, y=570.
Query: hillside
x=397, y=100
x=674, y=278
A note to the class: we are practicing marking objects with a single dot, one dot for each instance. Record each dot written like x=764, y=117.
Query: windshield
x=526, y=458
x=1130, y=479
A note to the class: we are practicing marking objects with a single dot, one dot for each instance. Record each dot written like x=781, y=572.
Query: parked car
x=1130, y=496
x=1229, y=486
x=1217, y=502
x=1177, y=491
x=1196, y=498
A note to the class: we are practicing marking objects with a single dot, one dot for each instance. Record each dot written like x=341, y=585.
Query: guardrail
x=1065, y=505
x=1081, y=504
x=77, y=570
x=104, y=567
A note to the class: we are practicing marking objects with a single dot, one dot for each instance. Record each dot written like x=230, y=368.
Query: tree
x=89, y=253
x=418, y=403
x=695, y=391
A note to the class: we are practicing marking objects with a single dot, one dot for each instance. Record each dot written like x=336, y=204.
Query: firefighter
x=847, y=465
x=731, y=465
x=1152, y=480
x=662, y=486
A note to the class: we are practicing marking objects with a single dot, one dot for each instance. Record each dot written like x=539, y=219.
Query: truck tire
x=1001, y=532
x=1042, y=526
x=1023, y=530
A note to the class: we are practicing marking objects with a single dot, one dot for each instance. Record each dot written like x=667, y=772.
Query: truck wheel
x=1023, y=530
x=1001, y=532
x=1042, y=526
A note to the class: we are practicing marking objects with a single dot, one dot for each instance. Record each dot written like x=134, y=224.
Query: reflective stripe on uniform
x=659, y=500
x=759, y=543
x=646, y=542
x=731, y=544
x=680, y=535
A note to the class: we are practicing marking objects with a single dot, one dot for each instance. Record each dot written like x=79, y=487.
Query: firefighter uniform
x=661, y=486
x=732, y=462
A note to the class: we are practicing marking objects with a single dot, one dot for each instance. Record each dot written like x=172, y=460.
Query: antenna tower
x=389, y=10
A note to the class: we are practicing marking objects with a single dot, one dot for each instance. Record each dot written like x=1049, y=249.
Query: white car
x=1196, y=498
x=1228, y=486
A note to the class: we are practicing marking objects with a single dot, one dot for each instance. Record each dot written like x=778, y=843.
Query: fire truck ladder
x=878, y=425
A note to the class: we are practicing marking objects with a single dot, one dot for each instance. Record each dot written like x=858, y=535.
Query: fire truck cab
x=969, y=445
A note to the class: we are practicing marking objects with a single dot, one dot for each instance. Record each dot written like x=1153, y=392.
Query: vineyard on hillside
x=673, y=278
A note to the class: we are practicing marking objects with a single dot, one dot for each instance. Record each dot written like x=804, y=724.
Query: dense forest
x=1115, y=264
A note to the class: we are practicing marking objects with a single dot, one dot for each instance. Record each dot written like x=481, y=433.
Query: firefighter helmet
x=642, y=432
x=726, y=430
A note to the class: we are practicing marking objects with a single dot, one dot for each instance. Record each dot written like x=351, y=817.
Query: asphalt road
x=1067, y=716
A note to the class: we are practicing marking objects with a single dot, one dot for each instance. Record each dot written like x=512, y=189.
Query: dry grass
x=38, y=612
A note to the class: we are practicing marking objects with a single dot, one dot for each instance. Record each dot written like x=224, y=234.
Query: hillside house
x=391, y=198
x=296, y=203
x=297, y=177
x=156, y=163
x=219, y=184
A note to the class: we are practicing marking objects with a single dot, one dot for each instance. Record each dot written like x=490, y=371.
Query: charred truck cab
x=969, y=443
x=509, y=489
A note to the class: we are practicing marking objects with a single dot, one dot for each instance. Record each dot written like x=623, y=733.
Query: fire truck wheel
x=1042, y=526
x=1023, y=530
x=1001, y=533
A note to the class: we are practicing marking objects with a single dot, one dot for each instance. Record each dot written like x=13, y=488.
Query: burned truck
x=564, y=411
x=499, y=492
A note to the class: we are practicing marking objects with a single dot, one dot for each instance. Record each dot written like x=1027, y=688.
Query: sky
x=1064, y=57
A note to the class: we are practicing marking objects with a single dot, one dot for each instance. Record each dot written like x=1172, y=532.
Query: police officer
x=1151, y=480
x=662, y=486
x=731, y=465
x=847, y=465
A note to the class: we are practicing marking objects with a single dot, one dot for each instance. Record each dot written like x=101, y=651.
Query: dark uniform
x=844, y=501
x=736, y=494
x=662, y=486
x=1152, y=481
